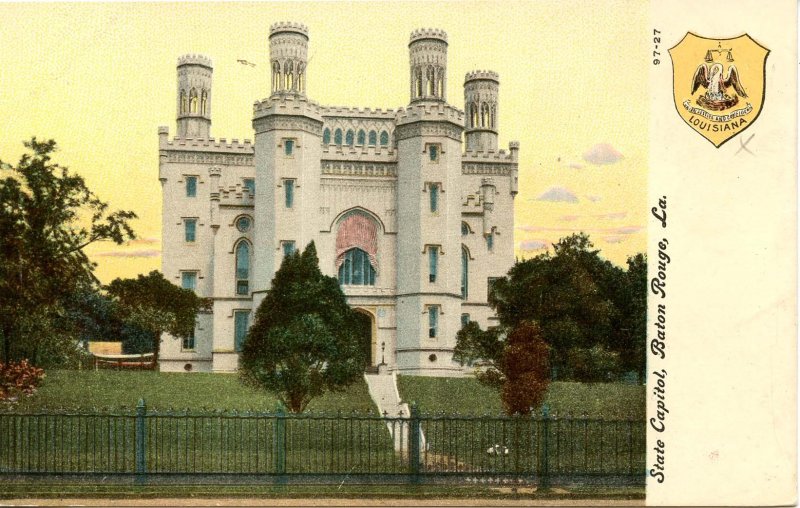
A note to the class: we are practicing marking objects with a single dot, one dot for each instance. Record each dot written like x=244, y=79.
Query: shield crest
x=718, y=84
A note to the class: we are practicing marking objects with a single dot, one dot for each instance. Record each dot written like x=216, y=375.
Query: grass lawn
x=161, y=390
x=468, y=396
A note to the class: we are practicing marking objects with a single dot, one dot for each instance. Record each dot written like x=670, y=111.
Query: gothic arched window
x=484, y=115
x=418, y=82
x=362, y=138
x=373, y=138
x=326, y=136
x=204, y=103
x=356, y=269
x=431, y=81
x=464, y=273
x=349, y=137
x=300, y=77
x=464, y=229
x=184, y=102
x=242, y=268
x=384, y=138
x=439, y=82
x=276, y=76
x=193, y=101
x=288, y=71
x=337, y=137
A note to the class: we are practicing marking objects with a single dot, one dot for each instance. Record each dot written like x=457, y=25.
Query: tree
x=153, y=303
x=580, y=301
x=47, y=217
x=304, y=340
x=515, y=361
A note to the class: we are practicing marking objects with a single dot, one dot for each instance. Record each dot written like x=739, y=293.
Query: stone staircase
x=383, y=390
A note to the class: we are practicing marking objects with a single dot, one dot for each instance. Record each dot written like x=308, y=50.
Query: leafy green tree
x=47, y=217
x=515, y=361
x=591, y=312
x=152, y=303
x=305, y=338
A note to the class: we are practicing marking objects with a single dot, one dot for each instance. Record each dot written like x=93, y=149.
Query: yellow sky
x=100, y=79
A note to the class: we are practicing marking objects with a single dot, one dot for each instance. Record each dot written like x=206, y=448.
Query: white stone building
x=413, y=209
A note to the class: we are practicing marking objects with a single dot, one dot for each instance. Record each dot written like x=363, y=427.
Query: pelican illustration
x=710, y=77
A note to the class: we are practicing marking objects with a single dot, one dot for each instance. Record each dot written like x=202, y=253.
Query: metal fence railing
x=320, y=447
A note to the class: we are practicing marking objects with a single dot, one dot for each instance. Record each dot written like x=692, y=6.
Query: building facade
x=412, y=209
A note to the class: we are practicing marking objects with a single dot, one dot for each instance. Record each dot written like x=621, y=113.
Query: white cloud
x=532, y=245
x=602, y=153
x=150, y=253
x=558, y=194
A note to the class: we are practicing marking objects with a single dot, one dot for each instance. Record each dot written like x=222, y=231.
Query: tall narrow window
x=288, y=190
x=384, y=138
x=433, y=152
x=490, y=241
x=464, y=273
x=433, y=321
x=356, y=269
x=242, y=268
x=188, y=342
x=490, y=282
x=464, y=320
x=288, y=146
x=250, y=185
x=288, y=248
x=362, y=138
x=184, y=102
x=189, y=229
x=433, y=262
x=373, y=138
x=349, y=138
x=241, y=319
x=191, y=186
x=204, y=102
x=189, y=280
x=464, y=229
x=326, y=136
x=193, y=101
x=434, y=191
x=337, y=137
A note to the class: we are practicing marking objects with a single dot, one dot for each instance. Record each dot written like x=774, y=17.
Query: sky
x=99, y=78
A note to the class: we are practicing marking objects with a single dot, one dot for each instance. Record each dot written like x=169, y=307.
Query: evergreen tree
x=304, y=340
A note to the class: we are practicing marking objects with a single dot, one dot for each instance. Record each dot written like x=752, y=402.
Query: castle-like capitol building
x=412, y=209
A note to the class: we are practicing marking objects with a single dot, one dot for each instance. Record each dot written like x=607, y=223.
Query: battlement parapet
x=430, y=112
x=288, y=26
x=344, y=111
x=286, y=104
x=428, y=33
x=194, y=59
x=208, y=145
x=488, y=156
x=482, y=75
x=237, y=195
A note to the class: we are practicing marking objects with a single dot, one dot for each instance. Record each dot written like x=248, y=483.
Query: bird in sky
x=245, y=62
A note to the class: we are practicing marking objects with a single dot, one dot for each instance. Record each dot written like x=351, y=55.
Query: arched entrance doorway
x=364, y=325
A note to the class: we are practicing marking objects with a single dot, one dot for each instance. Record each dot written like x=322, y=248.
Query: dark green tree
x=47, y=217
x=305, y=339
x=152, y=303
x=591, y=312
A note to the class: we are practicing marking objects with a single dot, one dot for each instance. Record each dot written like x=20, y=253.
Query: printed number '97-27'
x=656, y=42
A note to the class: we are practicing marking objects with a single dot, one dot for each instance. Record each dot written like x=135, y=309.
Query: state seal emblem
x=718, y=84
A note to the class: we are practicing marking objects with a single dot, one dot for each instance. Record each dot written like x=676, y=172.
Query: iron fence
x=318, y=447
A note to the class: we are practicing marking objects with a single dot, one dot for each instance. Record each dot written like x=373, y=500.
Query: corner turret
x=480, y=105
x=194, y=96
x=428, y=54
x=288, y=56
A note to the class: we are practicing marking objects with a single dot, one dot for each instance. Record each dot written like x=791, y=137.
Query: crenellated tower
x=429, y=151
x=480, y=106
x=288, y=48
x=428, y=57
x=194, y=96
x=288, y=150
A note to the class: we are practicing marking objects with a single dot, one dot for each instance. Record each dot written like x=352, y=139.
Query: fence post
x=413, y=443
x=280, y=440
x=140, y=442
x=544, y=462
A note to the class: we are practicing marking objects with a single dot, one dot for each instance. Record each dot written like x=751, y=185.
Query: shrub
x=526, y=366
x=18, y=379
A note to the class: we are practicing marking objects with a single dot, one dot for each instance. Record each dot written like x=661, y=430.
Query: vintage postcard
x=440, y=253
